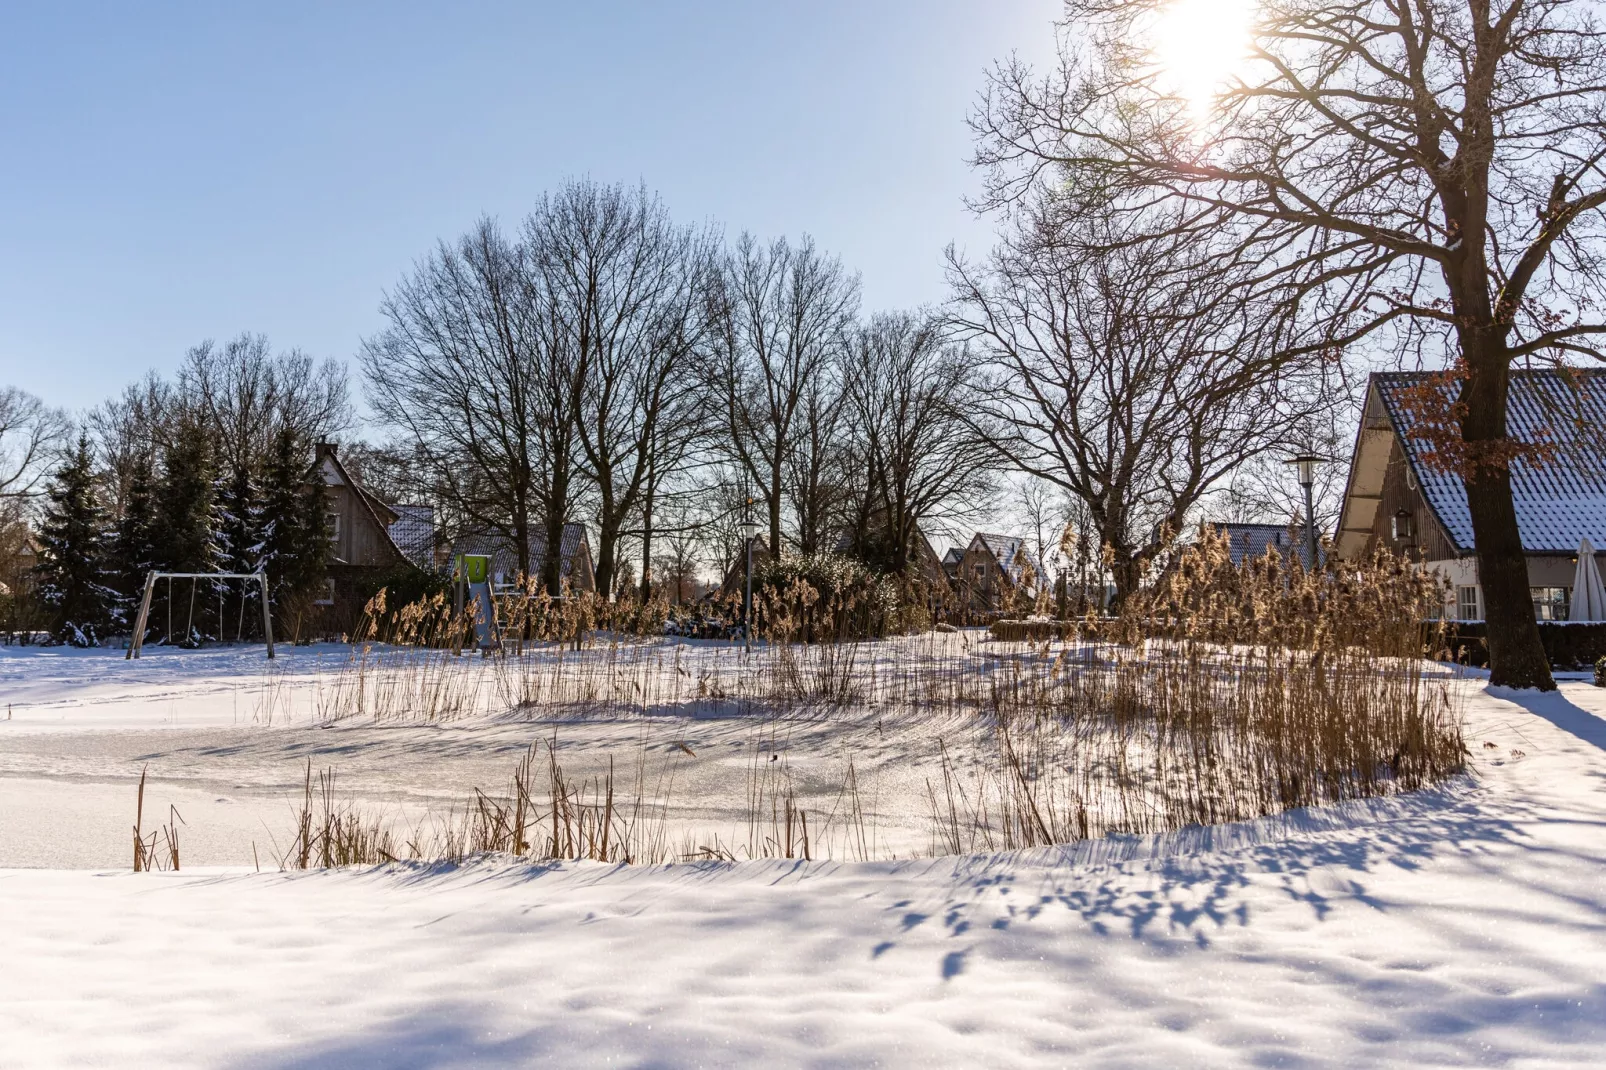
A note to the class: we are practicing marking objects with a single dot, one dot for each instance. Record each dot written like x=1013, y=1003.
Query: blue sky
x=178, y=172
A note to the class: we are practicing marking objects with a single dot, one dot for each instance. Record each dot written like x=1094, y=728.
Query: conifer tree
x=295, y=528
x=240, y=542
x=186, y=524
x=133, y=549
x=239, y=518
x=72, y=553
x=186, y=528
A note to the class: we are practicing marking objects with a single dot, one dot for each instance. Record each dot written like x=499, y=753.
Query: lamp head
x=1306, y=465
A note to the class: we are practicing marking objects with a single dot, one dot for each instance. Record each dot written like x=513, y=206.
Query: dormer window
x=1404, y=527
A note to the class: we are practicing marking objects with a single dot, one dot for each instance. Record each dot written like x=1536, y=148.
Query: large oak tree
x=1422, y=172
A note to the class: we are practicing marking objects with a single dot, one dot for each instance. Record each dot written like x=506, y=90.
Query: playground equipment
x=194, y=578
x=471, y=586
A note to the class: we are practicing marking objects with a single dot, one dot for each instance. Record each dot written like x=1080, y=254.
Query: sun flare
x=1198, y=46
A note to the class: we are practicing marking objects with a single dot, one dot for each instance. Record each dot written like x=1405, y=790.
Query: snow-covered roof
x=1245, y=542
x=1559, y=501
x=414, y=533
x=1013, y=556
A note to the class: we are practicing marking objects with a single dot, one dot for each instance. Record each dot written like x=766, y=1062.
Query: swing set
x=195, y=578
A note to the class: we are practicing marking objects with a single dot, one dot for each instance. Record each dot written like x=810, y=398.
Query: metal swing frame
x=150, y=588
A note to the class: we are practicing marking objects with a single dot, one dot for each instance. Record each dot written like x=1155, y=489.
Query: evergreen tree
x=239, y=518
x=72, y=558
x=133, y=547
x=295, y=528
x=186, y=529
x=186, y=524
x=239, y=547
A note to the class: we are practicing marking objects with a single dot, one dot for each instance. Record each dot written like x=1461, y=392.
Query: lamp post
x=1306, y=464
x=749, y=532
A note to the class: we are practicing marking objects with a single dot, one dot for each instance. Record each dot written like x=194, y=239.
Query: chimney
x=324, y=449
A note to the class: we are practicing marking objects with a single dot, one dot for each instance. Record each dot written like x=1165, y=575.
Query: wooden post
x=144, y=612
x=267, y=614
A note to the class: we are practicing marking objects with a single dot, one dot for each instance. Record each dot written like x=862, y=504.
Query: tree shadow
x=1559, y=710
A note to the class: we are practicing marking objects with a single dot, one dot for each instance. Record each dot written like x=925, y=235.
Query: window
x=1550, y=603
x=1466, y=603
x=328, y=596
x=1403, y=527
x=980, y=571
x=334, y=526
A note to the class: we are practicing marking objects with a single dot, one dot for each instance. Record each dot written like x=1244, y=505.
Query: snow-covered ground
x=1464, y=926
x=225, y=736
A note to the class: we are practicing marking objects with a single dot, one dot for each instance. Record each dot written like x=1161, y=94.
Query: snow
x=1463, y=926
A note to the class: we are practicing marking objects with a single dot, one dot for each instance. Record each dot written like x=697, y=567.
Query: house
x=1394, y=499
x=950, y=564
x=1245, y=542
x=998, y=574
x=360, y=545
x=575, y=568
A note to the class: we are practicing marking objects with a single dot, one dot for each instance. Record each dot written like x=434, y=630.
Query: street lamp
x=1306, y=464
x=749, y=533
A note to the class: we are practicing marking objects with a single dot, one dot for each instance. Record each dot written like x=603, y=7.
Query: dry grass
x=1220, y=694
x=147, y=857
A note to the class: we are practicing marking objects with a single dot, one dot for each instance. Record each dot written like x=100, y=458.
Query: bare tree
x=1264, y=489
x=781, y=316
x=625, y=293
x=129, y=428
x=913, y=452
x=460, y=370
x=30, y=434
x=1427, y=173
x=246, y=394
x=814, y=473
x=1129, y=373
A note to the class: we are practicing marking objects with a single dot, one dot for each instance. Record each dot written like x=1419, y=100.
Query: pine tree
x=240, y=542
x=133, y=548
x=72, y=553
x=186, y=527
x=295, y=528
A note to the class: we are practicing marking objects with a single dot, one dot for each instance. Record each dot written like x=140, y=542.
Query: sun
x=1198, y=46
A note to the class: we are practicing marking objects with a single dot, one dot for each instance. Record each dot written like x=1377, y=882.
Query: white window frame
x=328, y=598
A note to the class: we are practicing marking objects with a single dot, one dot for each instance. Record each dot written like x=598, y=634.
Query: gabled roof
x=1245, y=542
x=954, y=555
x=1558, y=502
x=327, y=463
x=1012, y=555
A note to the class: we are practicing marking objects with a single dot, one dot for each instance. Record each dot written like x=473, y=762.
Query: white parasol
x=1589, y=596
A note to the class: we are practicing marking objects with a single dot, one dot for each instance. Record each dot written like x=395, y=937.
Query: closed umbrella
x=1589, y=596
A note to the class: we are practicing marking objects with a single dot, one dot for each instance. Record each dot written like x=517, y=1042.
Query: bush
x=823, y=598
x=1570, y=647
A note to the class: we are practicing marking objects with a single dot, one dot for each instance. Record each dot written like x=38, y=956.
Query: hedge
x=1569, y=646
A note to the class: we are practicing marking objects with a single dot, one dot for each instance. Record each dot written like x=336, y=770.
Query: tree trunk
x=1516, y=653
x=775, y=512
x=646, y=544
x=607, y=549
x=1126, y=569
x=552, y=560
